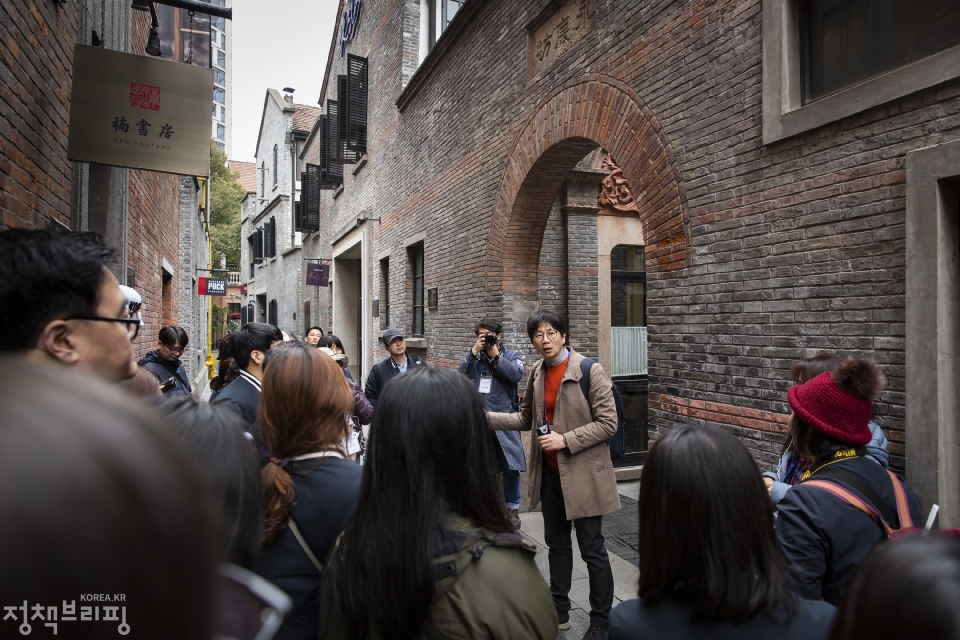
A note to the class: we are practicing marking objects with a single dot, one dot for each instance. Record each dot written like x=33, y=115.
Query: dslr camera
x=489, y=340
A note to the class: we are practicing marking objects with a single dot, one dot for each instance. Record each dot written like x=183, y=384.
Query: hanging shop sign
x=318, y=275
x=139, y=112
x=211, y=286
x=349, y=22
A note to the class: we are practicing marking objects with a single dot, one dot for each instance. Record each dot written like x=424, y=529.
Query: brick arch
x=582, y=115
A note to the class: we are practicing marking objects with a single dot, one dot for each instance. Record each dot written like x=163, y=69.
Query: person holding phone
x=571, y=473
x=164, y=362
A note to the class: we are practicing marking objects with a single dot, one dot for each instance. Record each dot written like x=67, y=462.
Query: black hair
x=425, y=459
x=225, y=349
x=540, y=316
x=45, y=275
x=330, y=341
x=814, y=445
x=490, y=325
x=710, y=542
x=253, y=336
x=172, y=334
x=320, y=329
x=99, y=497
x=228, y=460
x=906, y=588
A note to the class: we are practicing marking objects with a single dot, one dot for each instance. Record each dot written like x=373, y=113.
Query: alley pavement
x=620, y=535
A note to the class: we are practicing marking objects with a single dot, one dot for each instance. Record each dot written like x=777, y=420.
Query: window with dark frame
x=275, y=164
x=844, y=42
x=385, y=293
x=442, y=13
x=628, y=310
x=416, y=262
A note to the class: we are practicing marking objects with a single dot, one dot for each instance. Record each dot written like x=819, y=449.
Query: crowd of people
x=271, y=511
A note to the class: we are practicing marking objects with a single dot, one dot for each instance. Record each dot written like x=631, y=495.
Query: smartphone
x=249, y=607
x=168, y=384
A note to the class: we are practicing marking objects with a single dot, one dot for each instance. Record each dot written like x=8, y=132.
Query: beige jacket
x=586, y=471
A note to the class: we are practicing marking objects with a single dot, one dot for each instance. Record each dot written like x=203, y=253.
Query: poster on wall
x=139, y=112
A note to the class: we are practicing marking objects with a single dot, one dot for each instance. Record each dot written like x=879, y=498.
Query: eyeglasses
x=133, y=324
x=551, y=335
x=173, y=349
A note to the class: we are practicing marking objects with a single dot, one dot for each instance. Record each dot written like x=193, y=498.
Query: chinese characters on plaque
x=561, y=31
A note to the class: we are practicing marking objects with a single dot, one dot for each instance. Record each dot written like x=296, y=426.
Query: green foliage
x=220, y=312
x=226, y=194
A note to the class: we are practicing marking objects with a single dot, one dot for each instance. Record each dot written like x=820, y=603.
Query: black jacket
x=165, y=369
x=242, y=397
x=327, y=490
x=825, y=539
x=634, y=620
x=382, y=373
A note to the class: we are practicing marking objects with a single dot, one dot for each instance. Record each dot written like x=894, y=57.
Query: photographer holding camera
x=495, y=373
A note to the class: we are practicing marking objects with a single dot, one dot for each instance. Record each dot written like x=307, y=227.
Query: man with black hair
x=571, y=473
x=60, y=303
x=249, y=345
x=164, y=362
x=495, y=373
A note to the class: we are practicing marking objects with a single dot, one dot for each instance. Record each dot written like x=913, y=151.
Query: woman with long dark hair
x=430, y=550
x=309, y=488
x=709, y=564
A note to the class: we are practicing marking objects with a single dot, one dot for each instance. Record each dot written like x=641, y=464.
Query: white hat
x=134, y=301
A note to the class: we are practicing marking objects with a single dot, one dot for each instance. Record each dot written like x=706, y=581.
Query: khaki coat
x=586, y=471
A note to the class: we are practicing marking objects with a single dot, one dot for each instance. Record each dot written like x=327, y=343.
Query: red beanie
x=835, y=413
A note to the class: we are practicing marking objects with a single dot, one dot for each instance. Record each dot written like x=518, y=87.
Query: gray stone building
x=794, y=191
x=270, y=247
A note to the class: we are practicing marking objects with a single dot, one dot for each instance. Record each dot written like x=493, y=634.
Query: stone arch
x=586, y=113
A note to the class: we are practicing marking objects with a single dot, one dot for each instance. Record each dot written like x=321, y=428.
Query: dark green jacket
x=488, y=587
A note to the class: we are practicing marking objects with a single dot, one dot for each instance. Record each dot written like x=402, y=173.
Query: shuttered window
x=355, y=103
x=272, y=313
x=339, y=107
x=310, y=196
x=331, y=171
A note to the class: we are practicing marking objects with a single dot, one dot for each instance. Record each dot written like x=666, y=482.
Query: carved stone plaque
x=561, y=31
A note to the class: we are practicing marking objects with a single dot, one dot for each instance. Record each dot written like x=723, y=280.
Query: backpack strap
x=903, y=505
x=585, y=365
x=852, y=480
x=851, y=499
x=303, y=544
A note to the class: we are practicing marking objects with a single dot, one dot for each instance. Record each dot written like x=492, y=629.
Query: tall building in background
x=221, y=58
x=200, y=39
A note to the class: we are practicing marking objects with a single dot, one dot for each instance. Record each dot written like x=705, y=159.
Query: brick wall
x=36, y=64
x=756, y=255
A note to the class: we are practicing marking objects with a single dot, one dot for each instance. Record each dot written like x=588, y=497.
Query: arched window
x=274, y=164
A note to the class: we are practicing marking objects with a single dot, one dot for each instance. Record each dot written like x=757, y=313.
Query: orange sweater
x=551, y=385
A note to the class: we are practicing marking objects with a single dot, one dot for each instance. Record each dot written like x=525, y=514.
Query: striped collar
x=252, y=379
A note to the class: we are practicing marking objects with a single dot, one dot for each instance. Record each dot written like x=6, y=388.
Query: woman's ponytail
x=278, y=494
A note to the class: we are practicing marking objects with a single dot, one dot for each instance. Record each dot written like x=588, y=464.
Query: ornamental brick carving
x=561, y=31
x=616, y=197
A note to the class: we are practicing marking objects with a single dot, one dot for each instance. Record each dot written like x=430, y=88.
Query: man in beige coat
x=570, y=470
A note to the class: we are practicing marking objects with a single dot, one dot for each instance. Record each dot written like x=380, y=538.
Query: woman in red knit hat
x=823, y=535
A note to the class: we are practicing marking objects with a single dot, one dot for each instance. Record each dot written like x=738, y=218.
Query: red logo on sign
x=144, y=96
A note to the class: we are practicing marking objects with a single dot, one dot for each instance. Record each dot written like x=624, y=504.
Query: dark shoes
x=595, y=633
x=514, y=518
x=564, y=619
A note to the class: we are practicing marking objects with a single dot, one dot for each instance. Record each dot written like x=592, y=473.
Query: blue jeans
x=511, y=489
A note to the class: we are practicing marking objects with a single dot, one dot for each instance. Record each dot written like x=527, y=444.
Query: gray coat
x=502, y=397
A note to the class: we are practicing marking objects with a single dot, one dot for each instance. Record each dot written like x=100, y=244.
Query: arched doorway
x=548, y=171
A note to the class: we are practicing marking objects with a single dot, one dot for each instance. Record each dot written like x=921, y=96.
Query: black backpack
x=616, y=442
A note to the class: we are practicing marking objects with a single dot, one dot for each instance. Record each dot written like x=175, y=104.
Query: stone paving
x=620, y=533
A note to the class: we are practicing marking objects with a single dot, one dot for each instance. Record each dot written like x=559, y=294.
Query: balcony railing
x=233, y=278
x=628, y=346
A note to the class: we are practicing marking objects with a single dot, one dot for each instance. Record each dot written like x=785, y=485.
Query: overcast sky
x=276, y=43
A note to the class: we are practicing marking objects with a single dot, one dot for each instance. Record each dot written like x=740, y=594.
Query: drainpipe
x=210, y=362
x=293, y=187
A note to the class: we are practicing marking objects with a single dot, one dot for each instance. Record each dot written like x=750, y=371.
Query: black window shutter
x=258, y=244
x=273, y=237
x=300, y=206
x=311, y=188
x=343, y=153
x=356, y=103
x=334, y=165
